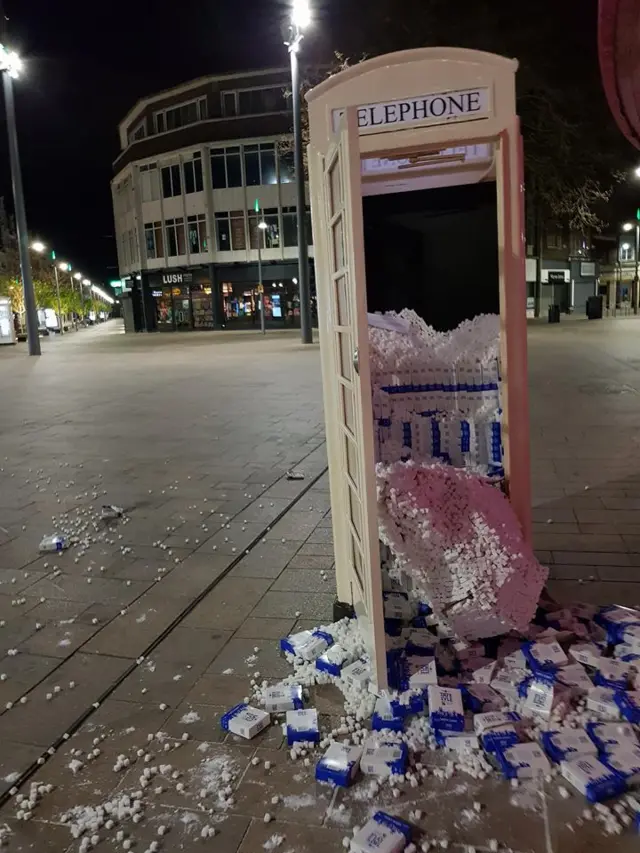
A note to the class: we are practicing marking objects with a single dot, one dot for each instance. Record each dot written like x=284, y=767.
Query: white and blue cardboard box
x=382, y=834
x=446, y=712
x=307, y=645
x=592, y=778
x=283, y=697
x=339, y=765
x=245, y=721
x=523, y=761
x=302, y=726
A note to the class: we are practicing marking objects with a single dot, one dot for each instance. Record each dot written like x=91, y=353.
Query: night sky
x=88, y=63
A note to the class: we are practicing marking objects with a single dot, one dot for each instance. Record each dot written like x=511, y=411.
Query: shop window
x=153, y=239
x=226, y=168
x=171, y=181
x=193, y=174
x=197, y=230
x=289, y=226
x=287, y=167
x=175, y=237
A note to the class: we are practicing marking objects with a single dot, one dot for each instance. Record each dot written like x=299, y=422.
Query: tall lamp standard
x=40, y=248
x=85, y=283
x=300, y=18
x=78, y=278
x=65, y=266
x=10, y=66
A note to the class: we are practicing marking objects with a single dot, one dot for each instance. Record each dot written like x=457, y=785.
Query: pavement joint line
x=84, y=716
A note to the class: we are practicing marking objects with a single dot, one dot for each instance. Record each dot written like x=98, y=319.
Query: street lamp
x=262, y=225
x=11, y=65
x=630, y=226
x=39, y=247
x=300, y=19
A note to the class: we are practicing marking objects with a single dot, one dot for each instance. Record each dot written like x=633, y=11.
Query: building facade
x=562, y=270
x=619, y=271
x=201, y=166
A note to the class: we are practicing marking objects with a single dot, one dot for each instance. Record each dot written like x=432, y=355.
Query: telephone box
x=414, y=143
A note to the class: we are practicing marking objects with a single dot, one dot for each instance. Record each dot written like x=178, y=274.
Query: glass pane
x=238, y=238
x=355, y=512
x=189, y=185
x=342, y=301
x=197, y=175
x=337, y=239
x=357, y=563
x=182, y=247
x=222, y=235
x=166, y=182
x=229, y=103
x=175, y=178
x=335, y=189
x=234, y=170
x=351, y=456
x=348, y=410
x=252, y=168
x=345, y=355
x=287, y=170
x=218, y=175
x=268, y=167
x=290, y=229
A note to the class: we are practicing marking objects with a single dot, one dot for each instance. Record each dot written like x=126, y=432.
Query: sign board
x=555, y=276
x=435, y=108
x=587, y=269
x=177, y=278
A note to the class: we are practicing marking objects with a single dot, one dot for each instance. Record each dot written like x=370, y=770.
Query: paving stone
x=297, y=837
x=41, y=837
x=237, y=652
x=14, y=758
x=16, y=581
x=100, y=589
x=191, y=645
x=296, y=525
x=224, y=690
x=309, y=605
x=265, y=629
x=229, y=604
x=163, y=683
x=306, y=580
x=59, y=640
x=130, y=634
x=267, y=560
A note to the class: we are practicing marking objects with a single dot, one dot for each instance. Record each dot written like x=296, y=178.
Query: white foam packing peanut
x=442, y=523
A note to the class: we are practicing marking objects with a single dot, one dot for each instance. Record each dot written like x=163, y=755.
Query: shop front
x=241, y=303
x=181, y=302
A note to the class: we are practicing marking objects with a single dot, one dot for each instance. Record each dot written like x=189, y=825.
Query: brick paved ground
x=200, y=430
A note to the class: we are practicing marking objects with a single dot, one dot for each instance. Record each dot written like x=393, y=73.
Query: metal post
x=144, y=307
x=260, y=284
x=636, y=280
x=303, y=251
x=33, y=338
x=55, y=270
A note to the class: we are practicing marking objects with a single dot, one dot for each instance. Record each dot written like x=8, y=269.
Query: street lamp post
x=10, y=65
x=78, y=278
x=262, y=226
x=37, y=246
x=300, y=18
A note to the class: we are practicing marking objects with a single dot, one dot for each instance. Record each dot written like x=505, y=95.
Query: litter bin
x=554, y=313
x=594, y=307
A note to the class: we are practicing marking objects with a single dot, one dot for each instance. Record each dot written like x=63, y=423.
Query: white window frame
x=237, y=92
x=626, y=252
x=198, y=219
x=131, y=133
x=197, y=101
